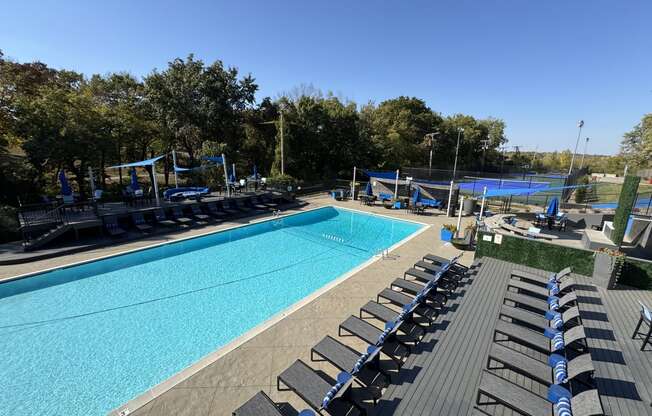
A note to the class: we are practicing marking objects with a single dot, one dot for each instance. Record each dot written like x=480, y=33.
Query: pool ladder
x=333, y=238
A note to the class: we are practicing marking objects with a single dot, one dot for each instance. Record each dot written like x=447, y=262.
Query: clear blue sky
x=539, y=65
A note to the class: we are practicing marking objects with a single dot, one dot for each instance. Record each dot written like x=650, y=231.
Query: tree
x=636, y=146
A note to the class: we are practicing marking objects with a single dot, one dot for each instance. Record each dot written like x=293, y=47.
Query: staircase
x=45, y=238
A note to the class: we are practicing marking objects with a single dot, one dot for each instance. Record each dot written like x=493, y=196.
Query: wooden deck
x=441, y=377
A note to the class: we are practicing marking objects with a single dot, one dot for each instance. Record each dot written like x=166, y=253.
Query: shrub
x=8, y=224
x=282, y=182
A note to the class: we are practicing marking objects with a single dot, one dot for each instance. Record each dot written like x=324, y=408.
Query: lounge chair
x=646, y=316
x=177, y=214
x=536, y=340
x=259, y=405
x=534, y=304
x=410, y=328
x=540, y=291
x=346, y=358
x=454, y=266
x=267, y=200
x=452, y=273
x=228, y=208
x=139, y=222
x=539, y=322
x=413, y=288
x=256, y=204
x=525, y=402
x=312, y=388
x=538, y=279
x=239, y=204
x=161, y=218
x=397, y=351
x=466, y=242
x=112, y=227
x=427, y=311
x=215, y=211
x=582, y=365
x=198, y=214
x=444, y=283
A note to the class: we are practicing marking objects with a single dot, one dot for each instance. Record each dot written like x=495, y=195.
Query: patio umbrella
x=416, y=195
x=66, y=190
x=134, y=180
x=553, y=207
x=369, y=190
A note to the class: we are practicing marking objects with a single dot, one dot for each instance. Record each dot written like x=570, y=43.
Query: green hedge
x=637, y=273
x=536, y=253
x=625, y=204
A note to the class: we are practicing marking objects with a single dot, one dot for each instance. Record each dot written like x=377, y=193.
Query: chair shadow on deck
x=385, y=407
x=617, y=388
x=589, y=300
x=599, y=333
x=594, y=316
x=607, y=356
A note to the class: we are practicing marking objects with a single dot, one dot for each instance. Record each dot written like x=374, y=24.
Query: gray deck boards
x=441, y=377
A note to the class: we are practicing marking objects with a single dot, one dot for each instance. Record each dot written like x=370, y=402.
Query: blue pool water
x=84, y=340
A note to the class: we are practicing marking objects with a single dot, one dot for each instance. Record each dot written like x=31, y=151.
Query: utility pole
x=431, y=136
x=282, y=146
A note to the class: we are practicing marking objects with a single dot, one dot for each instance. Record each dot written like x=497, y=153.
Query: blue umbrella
x=232, y=176
x=369, y=190
x=66, y=190
x=134, y=181
x=553, y=207
x=416, y=195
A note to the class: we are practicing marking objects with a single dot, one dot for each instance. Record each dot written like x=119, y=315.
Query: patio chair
x=578, y=367
x=522, y=286
x=534, y=304
x=161, y=218
x=446, y=284
x=267, y=200
x=542, y=280
x=177, y=214
x=427, y=311
x=392, y=347
x=228, y=207
x=413, y=288
x=139, y=222
x=465, y=243
x=215, y=211
x=646, y=316
x=569, y=318
x=412, y=331
x=199, y=215
x=239, y=204
x=559, y=222
x=536, y=340
x=519, y=399
x=111, y=226
x=259, y=405
x=346, y=358
x=313, y=388
x=256, y=204
x=454, y=266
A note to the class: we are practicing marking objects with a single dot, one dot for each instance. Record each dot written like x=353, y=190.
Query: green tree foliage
x=636, y=146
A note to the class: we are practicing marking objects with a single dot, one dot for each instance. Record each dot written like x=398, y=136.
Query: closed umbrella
x=66, y=190
x=369, y=190
x=134, y=181
x=553, y=207
x=416, y=195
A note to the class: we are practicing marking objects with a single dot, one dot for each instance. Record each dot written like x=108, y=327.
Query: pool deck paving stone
x=225, y=384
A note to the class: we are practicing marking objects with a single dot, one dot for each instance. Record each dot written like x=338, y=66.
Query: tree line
x=53, y=119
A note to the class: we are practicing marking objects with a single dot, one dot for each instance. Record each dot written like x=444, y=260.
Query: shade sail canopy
x=527, y=191
x=215, y=159
x=382, y=175
x=142, y=163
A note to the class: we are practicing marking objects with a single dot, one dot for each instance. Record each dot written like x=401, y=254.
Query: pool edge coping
x=166, y=385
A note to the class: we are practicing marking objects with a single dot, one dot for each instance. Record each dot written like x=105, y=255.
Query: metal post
x=579, y=125
x=484, y=193
x=457, y=149
x=450, y=196
x=282, y=147
x=174, y=163
x=226, y=176
x=353, y=184
x=459, y=218
x=649, y=200
x=158, y=201
x=396, y=185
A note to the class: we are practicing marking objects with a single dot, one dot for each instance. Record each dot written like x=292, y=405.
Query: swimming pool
x=85, y=339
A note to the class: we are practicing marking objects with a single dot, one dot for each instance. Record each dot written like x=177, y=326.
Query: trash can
x=469, y=206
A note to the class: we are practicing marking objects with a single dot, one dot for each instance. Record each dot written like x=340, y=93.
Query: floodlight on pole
x=580, y=124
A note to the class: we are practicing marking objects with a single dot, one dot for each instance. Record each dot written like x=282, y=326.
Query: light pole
x=586, y=145
x=580, y=124
x=460, y=130
x=457, y=150
x=431, y=136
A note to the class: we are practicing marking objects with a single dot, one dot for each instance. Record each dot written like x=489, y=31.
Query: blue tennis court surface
x=641, y=203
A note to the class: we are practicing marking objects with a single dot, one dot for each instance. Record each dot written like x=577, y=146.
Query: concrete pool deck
x=222, y=381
